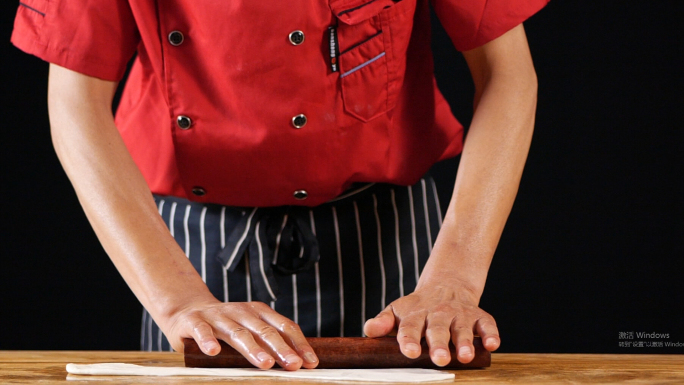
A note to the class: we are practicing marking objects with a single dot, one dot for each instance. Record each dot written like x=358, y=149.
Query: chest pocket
x=371, y=37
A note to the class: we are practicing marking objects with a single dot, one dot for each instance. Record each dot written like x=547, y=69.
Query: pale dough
x=365, y=375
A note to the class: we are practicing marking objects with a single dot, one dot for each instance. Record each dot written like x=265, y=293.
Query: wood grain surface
x=42, y=367
x=343, y=353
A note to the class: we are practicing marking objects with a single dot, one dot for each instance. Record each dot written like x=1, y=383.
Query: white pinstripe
x=222, y=225
x=413, y=233
x=280, y=233
x=224, y=272
x=187, y=231
x=172, y=218
x=261, y=262
x=353, y=192
x=142, y=329
x=400, y=265
x=439, y=209
x=340, y=276
x=318, y=282
x=362, y=269
x=380, y=257
x=149, y=334
x=242, y=238
x=204, y=244
x=159, y=333
x=427, y=217
x=295, y=299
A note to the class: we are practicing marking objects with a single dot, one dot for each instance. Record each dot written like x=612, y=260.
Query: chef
x=264, y=176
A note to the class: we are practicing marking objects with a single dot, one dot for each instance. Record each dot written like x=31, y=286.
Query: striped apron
x=328, y=268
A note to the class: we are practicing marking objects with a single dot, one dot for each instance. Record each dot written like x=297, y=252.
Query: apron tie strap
x=271, y=238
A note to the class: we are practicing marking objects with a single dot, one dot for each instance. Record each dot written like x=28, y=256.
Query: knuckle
x=437, y=333
x=268, y=332
x=259, y=306
x=462, y=331
x=414, y=316
x=199, y=326
x=239, y=333
x=460, y=327
x=488, y=321
x=238, y=313
x=290, y=328
x=439, y=316
x=445, y=308
x=210, y=314
x=408, y=324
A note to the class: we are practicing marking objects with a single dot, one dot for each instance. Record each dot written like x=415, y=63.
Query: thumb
x=381, y=325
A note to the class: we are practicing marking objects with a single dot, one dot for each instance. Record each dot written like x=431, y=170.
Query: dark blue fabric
x=350, y=257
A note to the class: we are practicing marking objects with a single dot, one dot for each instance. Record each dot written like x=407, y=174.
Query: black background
x=592, y=248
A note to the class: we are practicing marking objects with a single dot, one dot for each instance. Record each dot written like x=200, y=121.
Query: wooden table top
x=47, y=367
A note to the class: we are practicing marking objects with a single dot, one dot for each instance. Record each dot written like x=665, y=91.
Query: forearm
x=489, y=173
x=115, y=197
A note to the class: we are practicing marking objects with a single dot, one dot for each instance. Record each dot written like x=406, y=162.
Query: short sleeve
x=472, y=23
x=93, y=37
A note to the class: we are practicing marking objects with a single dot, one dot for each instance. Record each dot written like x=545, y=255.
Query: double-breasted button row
x=183, y=122
x=176, y=38
x=299, y=194
x=298, y=121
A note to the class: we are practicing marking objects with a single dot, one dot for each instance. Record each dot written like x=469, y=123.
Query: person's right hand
x=252, y=328
x=120, y=207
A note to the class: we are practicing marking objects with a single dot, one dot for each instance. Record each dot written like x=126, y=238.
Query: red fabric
x=472, y=23
x=241, y=81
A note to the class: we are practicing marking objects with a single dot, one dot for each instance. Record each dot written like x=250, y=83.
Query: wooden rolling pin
x=343, y=353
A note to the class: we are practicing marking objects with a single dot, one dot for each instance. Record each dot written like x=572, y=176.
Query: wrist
x=462, y=288
x=168, y=306
x=456, y=265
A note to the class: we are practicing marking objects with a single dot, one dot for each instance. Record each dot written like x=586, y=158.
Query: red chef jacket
x=266, y=103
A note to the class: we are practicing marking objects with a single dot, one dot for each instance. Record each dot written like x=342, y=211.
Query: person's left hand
x=440, y=311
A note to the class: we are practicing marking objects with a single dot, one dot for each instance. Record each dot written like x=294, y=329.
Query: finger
x=462, y=336
x=486, y=328
x=437, y=336
x=204, y=335
x=293, y=336
x=242, y=340
x=381, y=325
x=409, y=333
x=269, y=337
